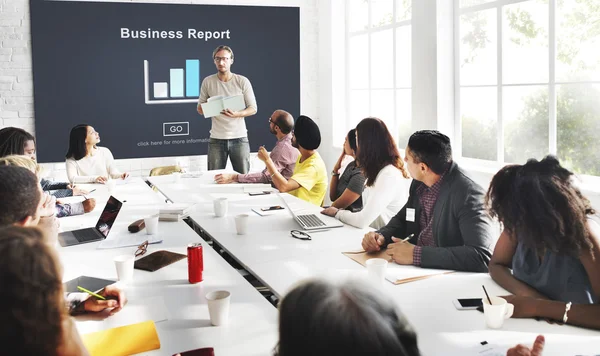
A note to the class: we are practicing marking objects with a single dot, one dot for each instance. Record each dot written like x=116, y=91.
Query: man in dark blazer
x=444, y=223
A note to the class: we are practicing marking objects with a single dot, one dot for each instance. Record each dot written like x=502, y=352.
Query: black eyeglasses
x=301, y=235
x=141, y=250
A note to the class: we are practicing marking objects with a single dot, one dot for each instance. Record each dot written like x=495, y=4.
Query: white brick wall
x=16, y=84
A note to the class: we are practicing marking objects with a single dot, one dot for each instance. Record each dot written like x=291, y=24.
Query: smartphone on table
x=467, y=304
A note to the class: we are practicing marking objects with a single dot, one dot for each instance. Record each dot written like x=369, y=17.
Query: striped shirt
x=284, y=157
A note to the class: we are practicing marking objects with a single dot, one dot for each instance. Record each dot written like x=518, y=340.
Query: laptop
x=312, y=221
x=97, y=233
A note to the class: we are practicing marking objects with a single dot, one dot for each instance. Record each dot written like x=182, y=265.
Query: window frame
x=369, y=31
x=500, y=85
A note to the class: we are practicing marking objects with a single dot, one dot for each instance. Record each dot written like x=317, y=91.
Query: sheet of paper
x=123, y=240
x=212, y=108
x=396, y=273
x=136, y=311
x=269, y=212
x=127, y=180
x=192, y=175
x=234, y=103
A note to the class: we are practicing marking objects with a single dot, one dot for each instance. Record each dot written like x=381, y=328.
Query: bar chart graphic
x=183, y=85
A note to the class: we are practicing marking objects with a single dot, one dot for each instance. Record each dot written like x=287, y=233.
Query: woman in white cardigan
x=88, y=163
x=387, y=180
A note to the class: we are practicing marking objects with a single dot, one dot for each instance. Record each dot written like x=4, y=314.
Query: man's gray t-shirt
x=223, y=127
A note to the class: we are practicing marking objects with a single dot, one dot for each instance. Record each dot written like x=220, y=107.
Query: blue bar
x=192, y=78
x=177, y=83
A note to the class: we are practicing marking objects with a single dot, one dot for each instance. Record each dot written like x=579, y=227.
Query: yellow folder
x=123, y=341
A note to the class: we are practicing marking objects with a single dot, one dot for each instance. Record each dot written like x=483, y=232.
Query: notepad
x=123, y=341
x=395, y=273
x=216, y=104
x=128, y=240
x=269, y=212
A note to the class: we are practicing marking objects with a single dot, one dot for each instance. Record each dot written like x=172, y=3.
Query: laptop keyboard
x=86, y=235
x=311, y=220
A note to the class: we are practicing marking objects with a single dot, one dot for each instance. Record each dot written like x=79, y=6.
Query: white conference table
x=280, y=261
x=252, y=327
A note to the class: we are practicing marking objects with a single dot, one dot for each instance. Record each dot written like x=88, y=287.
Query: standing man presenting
x=228, y=134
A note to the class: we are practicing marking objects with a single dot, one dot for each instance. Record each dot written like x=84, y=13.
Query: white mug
x=241, y=224
x=218, y=306
x=497, y=312
x=220, y=206
x=376, y=269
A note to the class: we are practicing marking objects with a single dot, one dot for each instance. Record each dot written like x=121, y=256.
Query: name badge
x=410, y=214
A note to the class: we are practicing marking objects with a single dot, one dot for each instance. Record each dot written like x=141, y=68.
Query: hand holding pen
x=111, y=297
x=401, y=251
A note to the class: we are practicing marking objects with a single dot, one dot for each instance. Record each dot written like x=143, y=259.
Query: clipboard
x=395, y=273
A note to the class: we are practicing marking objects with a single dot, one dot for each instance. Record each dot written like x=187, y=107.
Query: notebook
x=123, y=341
x=395, y=273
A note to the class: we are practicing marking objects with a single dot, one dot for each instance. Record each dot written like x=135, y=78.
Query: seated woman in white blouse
x=88, y=163
x=387, y=180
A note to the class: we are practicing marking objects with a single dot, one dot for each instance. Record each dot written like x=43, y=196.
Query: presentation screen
x=133, y=71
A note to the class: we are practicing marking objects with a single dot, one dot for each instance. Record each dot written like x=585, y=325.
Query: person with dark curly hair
x=548, y=255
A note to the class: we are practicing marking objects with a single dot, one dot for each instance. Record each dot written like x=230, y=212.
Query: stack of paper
x=174, y=212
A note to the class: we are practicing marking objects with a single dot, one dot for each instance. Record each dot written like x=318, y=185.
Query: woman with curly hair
x=548, y=255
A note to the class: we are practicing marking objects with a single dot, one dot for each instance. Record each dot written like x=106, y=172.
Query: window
x=378, y=34
x=528, y=81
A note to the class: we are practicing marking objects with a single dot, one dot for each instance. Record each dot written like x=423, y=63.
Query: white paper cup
x=124, y=266
x=218, y=306
x=151, y=223
x=241, y=224
x=111, y=184
x=220, y=206
x=497, y=312
x=176, y=177
x=376, y=270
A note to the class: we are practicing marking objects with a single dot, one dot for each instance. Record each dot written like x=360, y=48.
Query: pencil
x=91, y=293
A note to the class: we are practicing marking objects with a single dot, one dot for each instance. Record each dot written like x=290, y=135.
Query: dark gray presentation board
x=133, y=71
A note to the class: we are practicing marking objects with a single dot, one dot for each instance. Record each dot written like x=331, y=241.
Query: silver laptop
x=97, y=233
x=312, y=221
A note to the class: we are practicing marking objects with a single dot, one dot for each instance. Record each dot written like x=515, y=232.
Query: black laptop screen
x=109, y=215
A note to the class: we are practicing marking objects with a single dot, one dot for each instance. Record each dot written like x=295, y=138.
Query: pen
x=91, y=293
x=408, y=237
x=90, y=192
